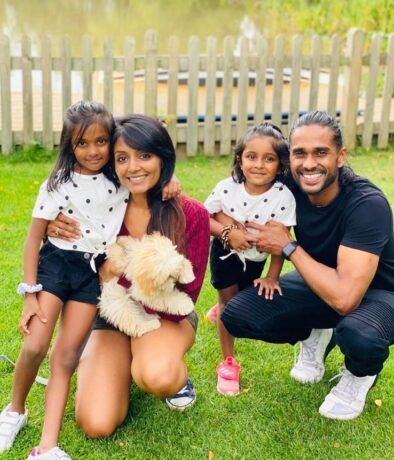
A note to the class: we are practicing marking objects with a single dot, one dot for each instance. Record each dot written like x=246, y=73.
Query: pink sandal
x=228, y=377
x=212, y=314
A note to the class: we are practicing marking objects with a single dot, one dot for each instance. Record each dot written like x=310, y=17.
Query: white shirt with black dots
x=91, y=200
x=232, y=199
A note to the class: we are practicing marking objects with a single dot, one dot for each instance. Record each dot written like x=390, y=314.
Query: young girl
x=61, y=278
x=254, y=193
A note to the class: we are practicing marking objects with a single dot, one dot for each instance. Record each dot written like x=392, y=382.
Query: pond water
x=120, y=18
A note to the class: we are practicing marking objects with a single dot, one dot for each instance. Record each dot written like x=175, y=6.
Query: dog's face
x=154, y=263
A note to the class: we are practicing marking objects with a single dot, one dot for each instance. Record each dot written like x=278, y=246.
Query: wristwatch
x=288, y=250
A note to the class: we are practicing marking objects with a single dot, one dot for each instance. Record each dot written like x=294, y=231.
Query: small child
x=61, y=278
x=254, y=193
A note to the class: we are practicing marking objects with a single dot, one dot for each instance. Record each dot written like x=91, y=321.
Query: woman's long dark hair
x=147, y=134
x=77, y=120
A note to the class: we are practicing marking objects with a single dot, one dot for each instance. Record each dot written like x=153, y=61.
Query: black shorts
x=101, y=323
x=68, y=274
x=230, y=271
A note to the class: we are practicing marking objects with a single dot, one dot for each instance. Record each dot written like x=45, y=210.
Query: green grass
x=273, y=418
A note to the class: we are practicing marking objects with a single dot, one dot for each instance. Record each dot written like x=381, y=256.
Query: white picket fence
x=208, y=97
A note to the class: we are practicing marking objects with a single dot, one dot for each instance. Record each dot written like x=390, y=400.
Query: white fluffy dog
x=153, y=265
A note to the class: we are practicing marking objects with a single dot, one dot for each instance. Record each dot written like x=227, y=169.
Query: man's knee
x=361, y=341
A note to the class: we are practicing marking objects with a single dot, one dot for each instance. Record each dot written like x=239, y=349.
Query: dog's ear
x=145, y=284
x=186, y=274
x=123, y=241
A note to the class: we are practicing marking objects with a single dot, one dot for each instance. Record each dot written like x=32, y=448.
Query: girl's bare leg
x=102, y=397
x=158, y=365
x=76, y=322
x=226, y=339
x=34, y=349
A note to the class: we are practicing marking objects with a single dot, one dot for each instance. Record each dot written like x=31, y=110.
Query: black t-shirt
x=360, y=217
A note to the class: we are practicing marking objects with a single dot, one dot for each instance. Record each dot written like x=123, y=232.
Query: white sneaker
x=10, y=425
x=185, y=397
x=347, y=399
x=54, y=454
x=309, y=367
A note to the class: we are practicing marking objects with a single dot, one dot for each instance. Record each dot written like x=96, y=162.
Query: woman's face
x=137, y=171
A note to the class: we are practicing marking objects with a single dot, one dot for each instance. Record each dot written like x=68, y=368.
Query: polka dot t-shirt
x=232, y=199
x=91, y=200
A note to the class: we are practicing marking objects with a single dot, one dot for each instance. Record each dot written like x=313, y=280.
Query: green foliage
x=119, y=18
x=273, y=418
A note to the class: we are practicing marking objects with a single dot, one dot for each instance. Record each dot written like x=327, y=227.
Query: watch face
x=288, y=250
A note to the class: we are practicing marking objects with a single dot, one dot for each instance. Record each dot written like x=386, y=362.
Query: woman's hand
x=64, y=227
x=269, y=285
x=172, y=189
x=30, y=309
x=107, y=272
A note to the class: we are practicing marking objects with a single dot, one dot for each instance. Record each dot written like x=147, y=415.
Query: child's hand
x=30, y=309
x=172, y=189
x=240, y=240
x=269, y=285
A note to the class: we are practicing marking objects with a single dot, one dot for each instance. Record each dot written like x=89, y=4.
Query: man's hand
x=272, y=237
x=240, y=240
x=64, y=227
x=30, y=309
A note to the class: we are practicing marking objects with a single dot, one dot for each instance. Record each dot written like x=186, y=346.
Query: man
x=344, y=278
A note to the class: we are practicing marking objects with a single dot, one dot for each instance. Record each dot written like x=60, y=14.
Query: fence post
x=66, y=73
x=27, y=88
x=129, y=67
x=47, y=124
x=315, y=73
x=354, y=54
x=5, y=80
x=243, y=80
x=261, y=71
x=295, y=84
x=334, y=72
x=388, y=88
x=172, y=104
x=150, y=98
x=108, y=73
x=371, y=90
x=278, y=80
x=87, y=67
x=192, y=105
x=210, y=125
x=225, y=128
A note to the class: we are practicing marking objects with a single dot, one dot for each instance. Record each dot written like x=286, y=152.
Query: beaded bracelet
x=225, y=235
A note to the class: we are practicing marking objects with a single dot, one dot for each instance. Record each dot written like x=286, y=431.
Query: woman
x=144, y=159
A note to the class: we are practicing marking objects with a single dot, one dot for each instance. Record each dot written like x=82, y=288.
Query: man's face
x=315, y=162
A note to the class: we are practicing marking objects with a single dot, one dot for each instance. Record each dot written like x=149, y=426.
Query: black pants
x=364, y=335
